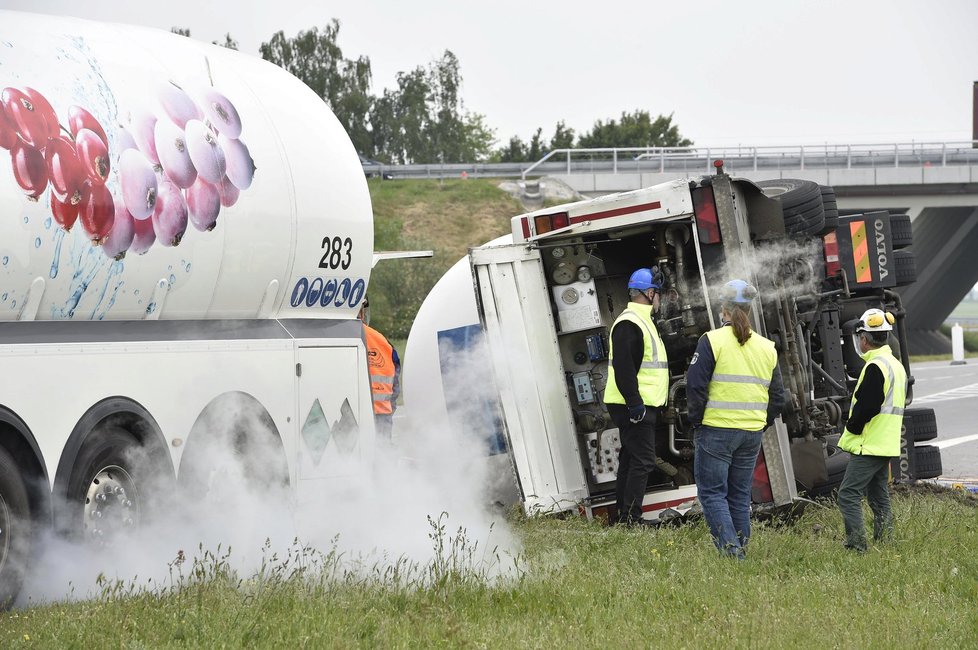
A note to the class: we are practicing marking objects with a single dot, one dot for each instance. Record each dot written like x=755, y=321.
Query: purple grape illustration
x=143, y=125
x=229, y=193
x=124, y=140
x=170, y=215
x=205, y=152
x=139, y=186
x=143, y=236
x=221, y=113
x=120, y=237
x=240, y=166
x=177, y=105
x=204, y=204
x=171, y=146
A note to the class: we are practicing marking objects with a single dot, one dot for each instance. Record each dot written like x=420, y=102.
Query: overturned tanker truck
x=186, y=238
x=528, y=315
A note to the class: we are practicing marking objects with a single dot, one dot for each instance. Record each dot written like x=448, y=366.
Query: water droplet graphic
x=173, y=279
x=37, y=242
x=6, y=259
x=3, y=298
x=13, y=303
x=27, y=219
x=188, y=267
x=135, y=292
x=47, y=223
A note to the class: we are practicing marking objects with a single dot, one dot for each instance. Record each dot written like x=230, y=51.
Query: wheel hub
x=111, y=504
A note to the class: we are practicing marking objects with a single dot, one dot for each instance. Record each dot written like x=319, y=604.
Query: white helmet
x=875, y=320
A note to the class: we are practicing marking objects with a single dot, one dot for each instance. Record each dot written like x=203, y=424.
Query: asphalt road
x=952, y=391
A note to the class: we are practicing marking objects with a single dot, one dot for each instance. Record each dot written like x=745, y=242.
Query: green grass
x=576, y=584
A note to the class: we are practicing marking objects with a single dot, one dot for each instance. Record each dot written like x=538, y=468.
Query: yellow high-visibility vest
x=737, y=396
x=881, y=435
x=653, y=375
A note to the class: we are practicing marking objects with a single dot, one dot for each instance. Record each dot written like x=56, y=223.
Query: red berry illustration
x=8, y=134
x=79, y=118
x=42, y=106
x=65, y=213
x=29, y=119
x=30, y=170
x=64, y=169
x=97, y=213
x=93, y=155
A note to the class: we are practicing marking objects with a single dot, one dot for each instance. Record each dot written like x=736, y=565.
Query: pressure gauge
x=583, y=273
x=563, y=273
x=558, y=252
x=569, y=295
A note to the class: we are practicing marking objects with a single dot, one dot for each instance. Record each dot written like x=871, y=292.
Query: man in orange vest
x=384, y=367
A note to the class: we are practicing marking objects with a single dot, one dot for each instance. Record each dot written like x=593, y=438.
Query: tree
x=563, y=137
x=229, y=42
x=181, y=31
x=315, y=57
x=636, y=129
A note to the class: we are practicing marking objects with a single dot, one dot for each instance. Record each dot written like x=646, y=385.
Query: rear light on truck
x=547, y=222
x=832, y=265
x=705, y=209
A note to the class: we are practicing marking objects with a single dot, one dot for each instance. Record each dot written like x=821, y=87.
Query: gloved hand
x=636, y=413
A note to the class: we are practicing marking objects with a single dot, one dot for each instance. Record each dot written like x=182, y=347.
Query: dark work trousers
x=866, y=476
x=635, y=460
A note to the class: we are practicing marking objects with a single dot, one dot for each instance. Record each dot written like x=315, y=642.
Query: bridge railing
x=699, y=160
x=743, y=158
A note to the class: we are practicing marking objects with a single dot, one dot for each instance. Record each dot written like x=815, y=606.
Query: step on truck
x=186, y=238
x=527, y=317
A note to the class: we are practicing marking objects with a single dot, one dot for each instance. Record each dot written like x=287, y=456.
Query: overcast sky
x=730, y=72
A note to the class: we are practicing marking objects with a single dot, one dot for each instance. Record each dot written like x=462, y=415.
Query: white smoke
x=419, y=505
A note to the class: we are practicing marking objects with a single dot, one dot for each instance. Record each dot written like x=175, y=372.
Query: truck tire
x=801, y=203
x=16, y=530
x=901, y=232
x=921, y=424
x=927, y=461
x=905, y=267
x=109, y=487
x=831, y=208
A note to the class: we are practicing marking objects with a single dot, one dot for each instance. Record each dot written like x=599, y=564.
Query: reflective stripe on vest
x=881, y=435
x=380, y=365
x=737, y=395
x=653, y=374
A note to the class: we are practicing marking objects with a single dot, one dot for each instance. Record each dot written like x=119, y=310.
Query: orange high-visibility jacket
x=383, y=370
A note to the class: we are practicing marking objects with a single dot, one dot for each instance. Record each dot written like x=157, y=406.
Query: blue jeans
x=724, y=471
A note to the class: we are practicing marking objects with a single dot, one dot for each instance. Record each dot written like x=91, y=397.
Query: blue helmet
x=738, y=292
x=645, y=279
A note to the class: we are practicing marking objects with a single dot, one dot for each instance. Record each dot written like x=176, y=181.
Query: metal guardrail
x=699, y=160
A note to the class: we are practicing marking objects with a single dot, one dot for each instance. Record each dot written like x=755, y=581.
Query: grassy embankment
x=444, y=216
x=578, y=585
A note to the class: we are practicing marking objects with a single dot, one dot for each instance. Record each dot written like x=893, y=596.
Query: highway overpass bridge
x=935, y=183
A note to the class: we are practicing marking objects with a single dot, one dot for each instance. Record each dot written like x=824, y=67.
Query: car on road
x=372, y=168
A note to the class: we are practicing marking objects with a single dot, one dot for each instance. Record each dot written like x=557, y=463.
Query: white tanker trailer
x=182, y=228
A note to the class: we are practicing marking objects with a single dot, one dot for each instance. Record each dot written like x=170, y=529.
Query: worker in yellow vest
x=636, y=390
x=872, y=433
x=384, y=367
x=734, y=392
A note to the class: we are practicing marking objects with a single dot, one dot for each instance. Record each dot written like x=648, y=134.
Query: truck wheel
x=901, y=232
x=905, y=267
x=801, y=203
x=16, y=529
x=831, y=208
x=927, y=461
x=921, y=424
x=108, y=487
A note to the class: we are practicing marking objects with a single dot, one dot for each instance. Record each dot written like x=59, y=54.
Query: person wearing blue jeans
x=734, y=392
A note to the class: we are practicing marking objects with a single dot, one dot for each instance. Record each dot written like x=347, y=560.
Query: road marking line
x=962, y=392
x=941, y=444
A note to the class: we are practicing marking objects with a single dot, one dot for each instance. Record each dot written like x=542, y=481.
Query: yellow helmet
x=875, y=320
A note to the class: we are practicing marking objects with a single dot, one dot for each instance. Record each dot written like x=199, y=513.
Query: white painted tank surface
x=147, y=175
